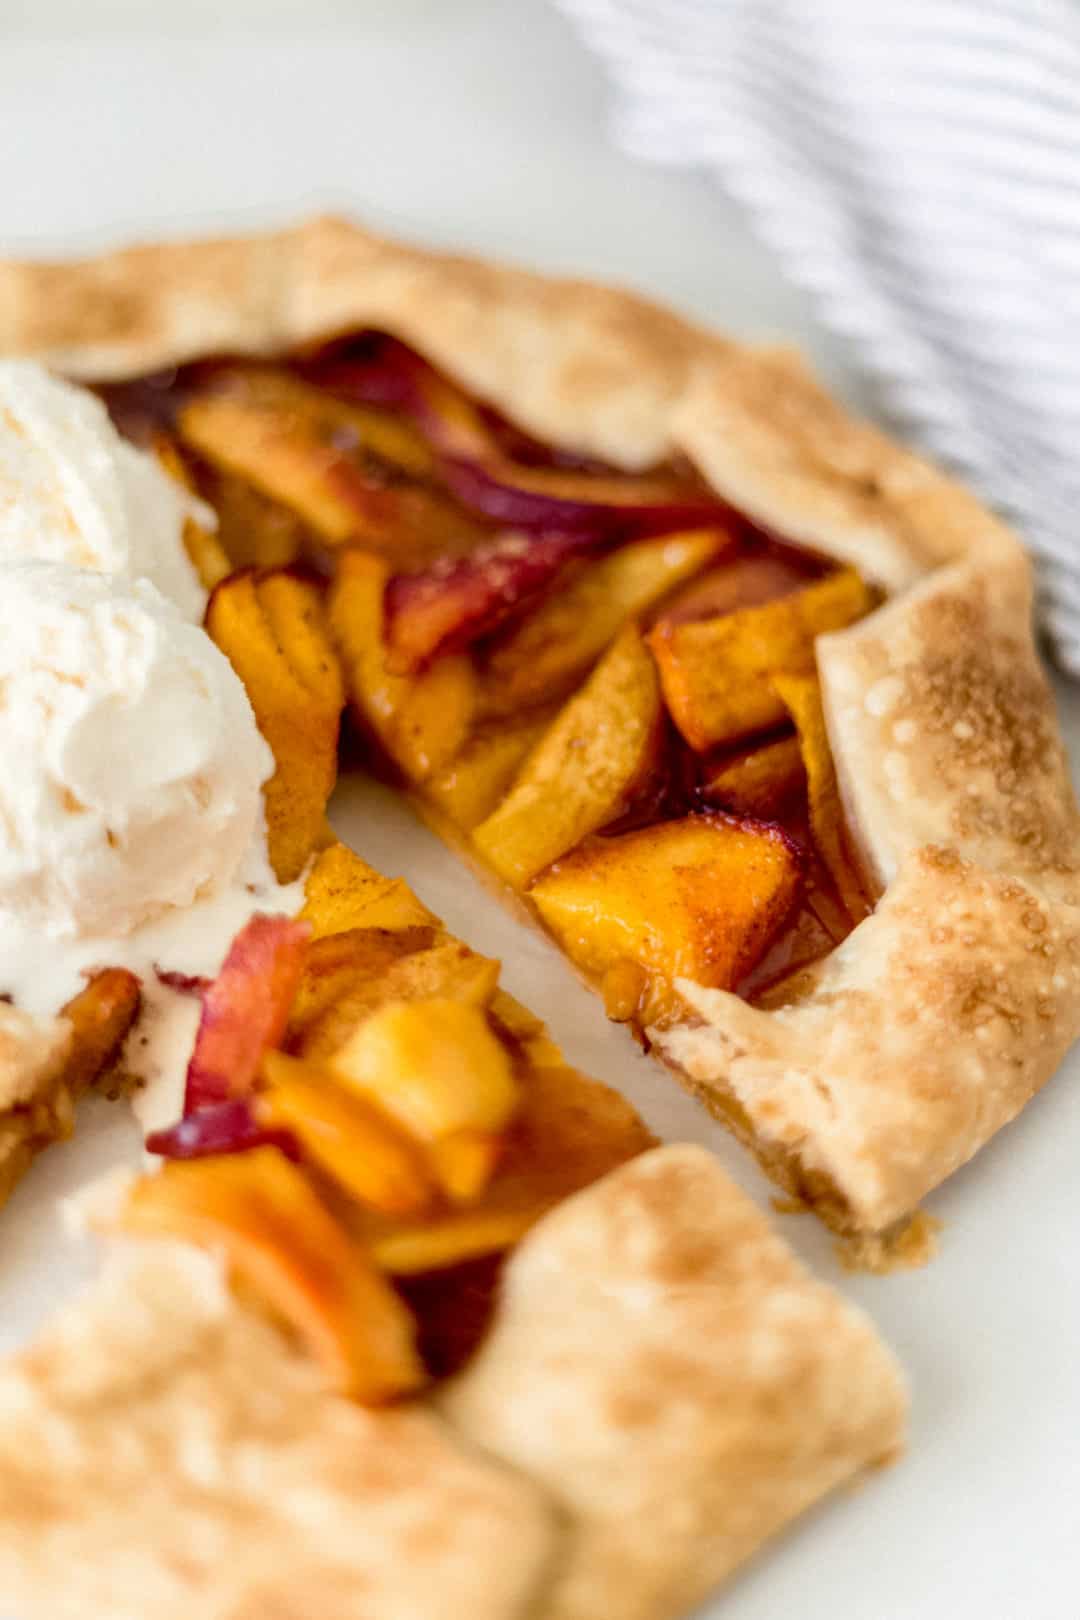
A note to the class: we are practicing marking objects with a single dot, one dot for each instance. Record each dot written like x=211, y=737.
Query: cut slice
x=300, y=1262
x=699, y=898
x=595, y=759
x=716, y=672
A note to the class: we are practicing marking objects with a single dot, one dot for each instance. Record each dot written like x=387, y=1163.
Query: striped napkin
x=916, y=165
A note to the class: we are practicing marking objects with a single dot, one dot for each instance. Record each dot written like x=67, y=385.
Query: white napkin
x=916, y=165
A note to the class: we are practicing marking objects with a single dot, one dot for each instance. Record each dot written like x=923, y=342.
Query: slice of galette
x=731, y=695
x=417, y=1321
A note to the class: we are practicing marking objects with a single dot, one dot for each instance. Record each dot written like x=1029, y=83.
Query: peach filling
x=370, y=1123
x=602, y=684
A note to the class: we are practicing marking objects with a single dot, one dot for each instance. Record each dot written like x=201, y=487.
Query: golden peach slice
x=715, y=673
x=290, y=1251
x=270, y=628
x=313, y=459
x=343, y=892
x=420, y=720
x=340, y=1131
x=801, y=696
x=698, y=898
x=435, y=1066
x=543, y=658
x=445, y=968
x=598, y=753
x=470, y=787
x=254, y=531
x=569, y=1131
x=758, y=782
x=348, y=961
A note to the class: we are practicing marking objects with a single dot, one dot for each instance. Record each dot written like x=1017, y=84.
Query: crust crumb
x=909, y=1245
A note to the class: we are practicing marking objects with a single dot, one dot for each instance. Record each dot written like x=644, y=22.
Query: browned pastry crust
x=942, y=1014
x=663, y=1389
x=35, y=1104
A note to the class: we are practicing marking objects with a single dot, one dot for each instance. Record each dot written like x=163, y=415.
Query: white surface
x=481, y=124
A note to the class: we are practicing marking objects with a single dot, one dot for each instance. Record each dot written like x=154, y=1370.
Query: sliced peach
x=388, y=373
x=801, y=696
x=569, y=1132
x=347, y=961
x=285, y=1246
x=699, y=898
x=246, y=1009
x=600, y=505
x=205, y=551
x=451, y=604
x=343, y=892
x=271, y=629
x=100, y=1016
x=758, y=782
x=597, y=755
x=434, y=1065
x=358, y=1145
x=374, y=433
x=716, y=672
x=737, y=582
x=254, y=531
x=543, y=658
x=470, y=787
x=308, y=459
x=420, y=720
x=444, y=968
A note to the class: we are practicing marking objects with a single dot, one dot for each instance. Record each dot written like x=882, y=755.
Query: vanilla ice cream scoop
x=130, y=762
x=73, y=490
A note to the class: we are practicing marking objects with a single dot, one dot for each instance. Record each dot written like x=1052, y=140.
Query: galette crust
x=941, y=720
x=664, y=1388
x=666, y=1368
x=165, y=1454
x=35, y=1105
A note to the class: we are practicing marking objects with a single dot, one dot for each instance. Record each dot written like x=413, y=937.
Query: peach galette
x=485, y=1343
x=419, y=1318
x=728, y=693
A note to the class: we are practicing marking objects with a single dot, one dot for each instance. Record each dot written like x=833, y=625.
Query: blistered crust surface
x=941, y=722
x=663, y=1389
x=929, y=1029
x=164, y=1454
x=668, y=1370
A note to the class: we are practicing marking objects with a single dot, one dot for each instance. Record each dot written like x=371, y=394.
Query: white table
x=480, y=124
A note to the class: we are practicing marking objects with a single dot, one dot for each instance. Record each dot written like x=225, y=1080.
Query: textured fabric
x=916, y=165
